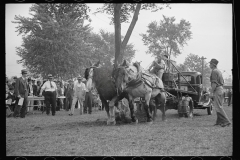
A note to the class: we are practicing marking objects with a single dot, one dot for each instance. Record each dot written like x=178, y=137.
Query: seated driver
x=158, y=66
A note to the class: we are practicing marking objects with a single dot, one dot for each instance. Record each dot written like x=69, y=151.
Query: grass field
x=88, y=135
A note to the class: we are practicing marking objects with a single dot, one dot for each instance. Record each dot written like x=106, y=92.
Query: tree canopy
x=121, y=12
x=54, y=39
x=167, y=37
x=103, y=48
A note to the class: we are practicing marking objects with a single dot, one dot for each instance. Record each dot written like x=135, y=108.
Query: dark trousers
x=68, y=103
x=50, y=98
x=88, y=102
x=21, y=109
x=229, y=100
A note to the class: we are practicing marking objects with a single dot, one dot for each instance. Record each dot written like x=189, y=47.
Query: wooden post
x=202, y=67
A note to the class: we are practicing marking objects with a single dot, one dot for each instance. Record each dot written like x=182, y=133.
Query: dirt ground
x=88, y=135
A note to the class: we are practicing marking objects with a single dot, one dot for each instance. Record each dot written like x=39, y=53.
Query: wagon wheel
x=210, y=109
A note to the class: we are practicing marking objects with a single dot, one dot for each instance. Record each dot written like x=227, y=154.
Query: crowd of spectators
x=64, y=89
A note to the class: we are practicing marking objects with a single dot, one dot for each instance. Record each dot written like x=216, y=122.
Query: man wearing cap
x=50, y=94
x=21, y=91
x=79, y=91
x=217, y=82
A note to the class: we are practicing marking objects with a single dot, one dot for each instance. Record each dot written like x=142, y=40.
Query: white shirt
x=89, y=85
x=47, y=87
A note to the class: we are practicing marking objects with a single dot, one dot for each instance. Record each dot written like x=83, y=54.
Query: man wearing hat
x=50, y=88
x=217, y=82
x=79, y=91
x=21, y=91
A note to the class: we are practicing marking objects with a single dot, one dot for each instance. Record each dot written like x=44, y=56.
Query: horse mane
x=86, y=73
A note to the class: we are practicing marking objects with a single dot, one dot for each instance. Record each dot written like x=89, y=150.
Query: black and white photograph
x=119, y=79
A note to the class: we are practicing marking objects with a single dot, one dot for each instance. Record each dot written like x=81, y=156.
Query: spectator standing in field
x=226, y=96
x=69, y=95
x=217, y=82
x=229, y=97
x=14, y=81
x=21, y=91
x=88, y=96
x=10, y=102
x=59, y=94
x=39, y=103
x=7, y=89
x=64, y=93
x=30, y=93
x=79, y=91
x=50, y=94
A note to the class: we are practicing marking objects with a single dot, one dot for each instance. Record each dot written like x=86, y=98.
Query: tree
x=194, y=63
x=102, y=45
x=121, y=13
x=54, y=39
x=167, y=37
x=182, y=68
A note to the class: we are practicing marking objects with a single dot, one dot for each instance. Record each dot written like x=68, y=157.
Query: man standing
x=69, y=95
x=14, y=81
x=50, y=94
x=88, y=96
x=21, y=91
x=229, y=97
x=217, y=82
x=79, y=95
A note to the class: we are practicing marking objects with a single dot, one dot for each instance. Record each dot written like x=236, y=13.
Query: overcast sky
x=211, y=32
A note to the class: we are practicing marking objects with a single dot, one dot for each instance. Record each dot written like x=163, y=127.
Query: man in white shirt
x=50, y=94
x=79, y=91
x=89, y=97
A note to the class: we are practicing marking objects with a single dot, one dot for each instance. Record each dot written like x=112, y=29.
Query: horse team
x=128, y=81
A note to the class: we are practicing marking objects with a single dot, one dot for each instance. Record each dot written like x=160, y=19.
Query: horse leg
x=153, y=108
x=112, y=109
x=163, y=105
x=131, y=107
x=147, y=109
x=106, y=106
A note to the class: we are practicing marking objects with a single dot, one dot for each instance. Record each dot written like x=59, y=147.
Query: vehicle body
x=181, y=85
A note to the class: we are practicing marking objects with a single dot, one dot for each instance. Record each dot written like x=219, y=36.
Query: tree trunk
x=117, y=25
x=130, y=29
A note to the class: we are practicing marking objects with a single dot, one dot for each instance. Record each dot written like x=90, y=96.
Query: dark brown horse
x=102, y=81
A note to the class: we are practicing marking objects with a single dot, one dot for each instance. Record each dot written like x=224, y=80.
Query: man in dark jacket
x=69, y=95
x=21, y=91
